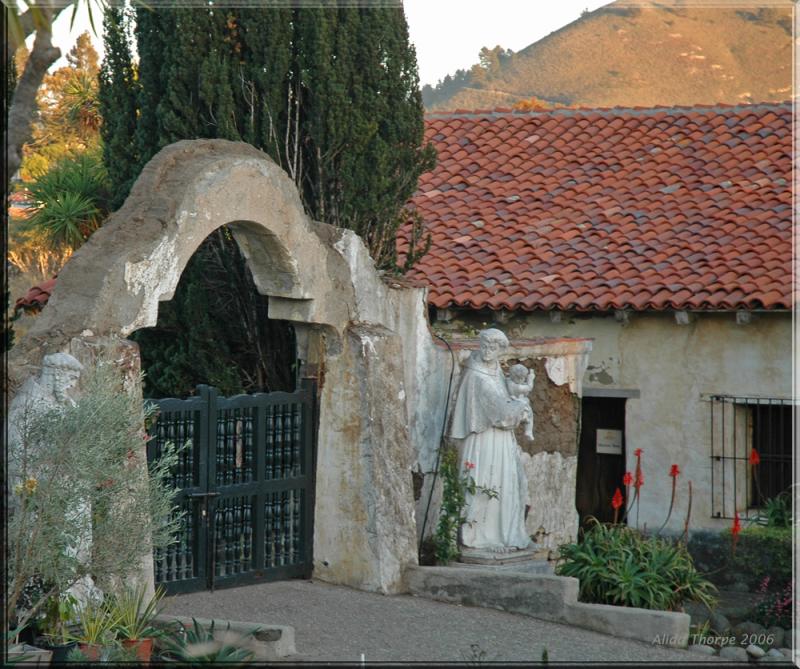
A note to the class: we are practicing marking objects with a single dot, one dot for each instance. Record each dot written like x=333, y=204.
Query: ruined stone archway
x=367, y=339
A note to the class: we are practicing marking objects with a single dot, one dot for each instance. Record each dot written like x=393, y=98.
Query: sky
x=447, y=34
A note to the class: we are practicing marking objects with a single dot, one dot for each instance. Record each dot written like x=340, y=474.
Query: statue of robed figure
x=485, y=417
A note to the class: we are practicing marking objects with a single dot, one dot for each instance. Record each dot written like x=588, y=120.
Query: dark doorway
x=216, y=330
x=601, y=457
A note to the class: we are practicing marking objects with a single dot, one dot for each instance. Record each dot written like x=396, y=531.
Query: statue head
x=60, y=372
x=518, y=373
x=492, y=342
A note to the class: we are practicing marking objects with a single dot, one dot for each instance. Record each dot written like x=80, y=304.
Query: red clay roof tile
x=36, y=298
x=678, y=208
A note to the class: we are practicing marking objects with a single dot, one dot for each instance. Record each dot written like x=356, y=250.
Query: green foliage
x=80, y=479
x=59, y=611
x=778, y=510
x=761, y=552
x=117, y=96
x=199, y=645
x=451, y=515
x=71, y=200
x=68, y=118
x=455, y=487
x=97, y=620
x=618, y=565
x=134, y=612
x=331, y=94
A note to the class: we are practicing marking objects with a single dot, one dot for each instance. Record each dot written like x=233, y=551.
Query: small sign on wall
x=609, y=442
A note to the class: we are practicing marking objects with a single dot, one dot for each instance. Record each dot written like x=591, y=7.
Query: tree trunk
x=23, y=104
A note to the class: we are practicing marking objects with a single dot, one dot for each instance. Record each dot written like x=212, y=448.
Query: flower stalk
x=674, y=472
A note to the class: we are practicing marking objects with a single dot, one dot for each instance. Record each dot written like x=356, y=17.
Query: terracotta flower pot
x=91, y=651
x=143, y=647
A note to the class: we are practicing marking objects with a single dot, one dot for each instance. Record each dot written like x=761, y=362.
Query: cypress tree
x=330, y=94
x=118, y=102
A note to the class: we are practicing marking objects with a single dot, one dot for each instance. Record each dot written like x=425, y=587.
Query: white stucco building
x=664, y=235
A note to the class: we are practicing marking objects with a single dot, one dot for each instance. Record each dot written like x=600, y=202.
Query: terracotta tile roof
x=34, y=300
x=590, y=209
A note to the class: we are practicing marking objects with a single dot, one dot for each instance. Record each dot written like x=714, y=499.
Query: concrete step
x=547, y=597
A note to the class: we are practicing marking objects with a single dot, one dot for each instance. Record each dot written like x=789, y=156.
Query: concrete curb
x=271, y=642
x=552, y=598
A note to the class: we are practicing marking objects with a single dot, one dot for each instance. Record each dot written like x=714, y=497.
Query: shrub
x=84, y=504
x=762, y=552
x=775, y=608
x=452, y=512
x=618, y=565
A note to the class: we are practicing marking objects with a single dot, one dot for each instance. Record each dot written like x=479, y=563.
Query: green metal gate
x=246, y=483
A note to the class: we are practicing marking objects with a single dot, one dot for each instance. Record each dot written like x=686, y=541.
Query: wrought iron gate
x=246, y=481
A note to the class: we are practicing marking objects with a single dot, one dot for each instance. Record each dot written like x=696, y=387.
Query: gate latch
x=204, y=496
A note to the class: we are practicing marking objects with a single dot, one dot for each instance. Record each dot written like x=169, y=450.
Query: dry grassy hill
x=624, y=54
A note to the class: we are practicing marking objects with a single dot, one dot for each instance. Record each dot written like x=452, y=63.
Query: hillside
x=638, y=56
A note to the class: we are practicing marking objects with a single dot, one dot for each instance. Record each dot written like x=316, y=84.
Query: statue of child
x=520, y=384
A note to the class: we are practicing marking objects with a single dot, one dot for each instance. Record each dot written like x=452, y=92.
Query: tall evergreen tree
x=118, y=104
x=330, y=94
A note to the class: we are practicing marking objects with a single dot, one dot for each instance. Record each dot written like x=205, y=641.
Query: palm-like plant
x=97, y=620
x=135, y=612
x=81, y=106
x=71, y=199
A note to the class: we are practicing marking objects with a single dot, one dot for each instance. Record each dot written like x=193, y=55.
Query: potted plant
x=134, y=614
x=59, y=613
x=96, y=628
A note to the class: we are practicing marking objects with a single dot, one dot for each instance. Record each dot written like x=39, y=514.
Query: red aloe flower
x=755, y=458
x=627, y=479
x=616, y=503
x=638, y=452
x=737, y=527
x=674, y=471
x=639, y=479
x=469, y=465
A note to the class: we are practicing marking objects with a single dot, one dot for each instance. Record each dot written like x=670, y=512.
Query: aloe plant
x=200, y=645
x=619, y=565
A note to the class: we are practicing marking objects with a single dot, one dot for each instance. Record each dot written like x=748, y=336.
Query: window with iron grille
x=751, y=452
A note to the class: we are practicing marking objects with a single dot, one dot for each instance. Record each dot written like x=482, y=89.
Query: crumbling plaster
x=366, y=337
x=675, y=368
x=550, y=460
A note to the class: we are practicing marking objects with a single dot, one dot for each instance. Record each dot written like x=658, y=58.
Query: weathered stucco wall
x=550, y=459
x=366, y=338
x=675, y=368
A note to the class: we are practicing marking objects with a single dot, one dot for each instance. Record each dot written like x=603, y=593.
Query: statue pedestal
x=476, y=556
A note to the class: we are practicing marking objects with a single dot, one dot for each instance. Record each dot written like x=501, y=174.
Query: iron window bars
x=739, y=426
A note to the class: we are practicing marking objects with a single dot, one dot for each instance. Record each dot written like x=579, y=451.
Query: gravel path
x=336, y=623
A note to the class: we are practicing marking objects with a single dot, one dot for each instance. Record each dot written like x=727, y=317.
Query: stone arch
x=368, y=336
